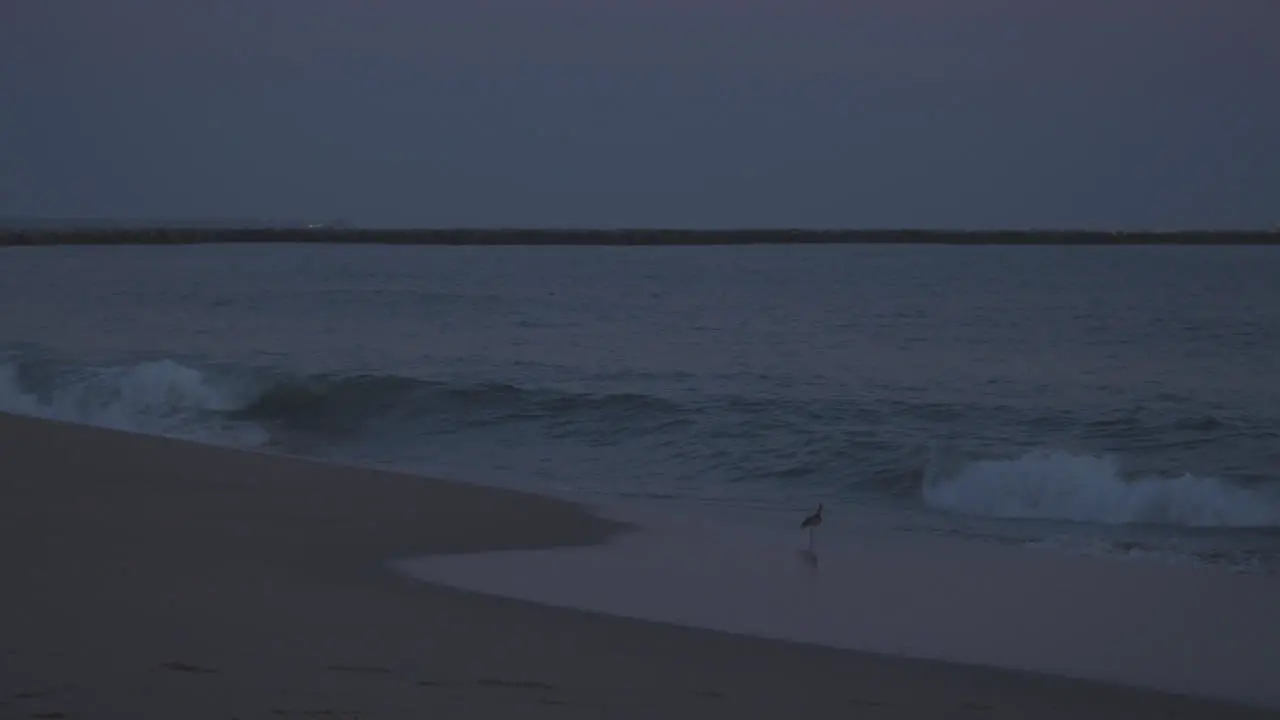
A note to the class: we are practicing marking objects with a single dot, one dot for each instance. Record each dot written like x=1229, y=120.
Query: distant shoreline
x=193, y=236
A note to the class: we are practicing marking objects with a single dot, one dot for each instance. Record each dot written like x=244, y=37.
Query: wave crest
x=1050, y=485
x=254, y=407
x=161, y=397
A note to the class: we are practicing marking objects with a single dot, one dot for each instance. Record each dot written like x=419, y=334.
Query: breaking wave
x=156, y=397
x=773, y=446
x=257, y=407
x=1053, y=485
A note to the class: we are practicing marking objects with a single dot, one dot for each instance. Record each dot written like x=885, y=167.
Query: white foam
x=161, y=397
x=12, y=397
x=1053, y=485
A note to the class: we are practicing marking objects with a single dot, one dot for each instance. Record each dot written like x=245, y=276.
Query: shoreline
x=1202, y=630
x=42, y=237
x=155, y=577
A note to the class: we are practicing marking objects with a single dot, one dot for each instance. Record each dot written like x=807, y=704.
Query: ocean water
x=1105, y=400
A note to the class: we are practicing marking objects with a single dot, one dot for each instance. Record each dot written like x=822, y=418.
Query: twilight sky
x=605, y=113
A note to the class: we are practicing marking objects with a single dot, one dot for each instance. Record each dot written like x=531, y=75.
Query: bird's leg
x=811, y=537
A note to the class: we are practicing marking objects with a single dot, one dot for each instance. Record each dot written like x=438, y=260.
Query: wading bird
x=812, y=522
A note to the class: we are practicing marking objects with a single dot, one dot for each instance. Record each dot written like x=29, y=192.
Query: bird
x=812, y=522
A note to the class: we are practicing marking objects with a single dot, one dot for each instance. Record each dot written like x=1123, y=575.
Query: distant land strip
x=192, y=236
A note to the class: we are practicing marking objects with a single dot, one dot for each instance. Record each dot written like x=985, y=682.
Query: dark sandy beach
x=154, y=578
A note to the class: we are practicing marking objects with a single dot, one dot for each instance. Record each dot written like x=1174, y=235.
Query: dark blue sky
x=605, y=113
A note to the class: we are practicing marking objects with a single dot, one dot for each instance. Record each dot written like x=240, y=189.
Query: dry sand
x=150, y=578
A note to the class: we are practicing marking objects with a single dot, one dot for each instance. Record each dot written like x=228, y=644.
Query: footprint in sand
x=186, y=667
x=39, y=695
x=339, y=714
x=367, y=669
x=520, y=684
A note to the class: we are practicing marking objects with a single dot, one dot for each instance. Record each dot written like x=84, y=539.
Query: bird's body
x=813, y=520
x=811, y=523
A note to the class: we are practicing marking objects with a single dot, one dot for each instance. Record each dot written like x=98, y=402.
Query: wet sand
x=153, y=578
x=1198, y=630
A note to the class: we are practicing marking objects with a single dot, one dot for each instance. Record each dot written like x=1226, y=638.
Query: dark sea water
x=1115, y=400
